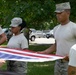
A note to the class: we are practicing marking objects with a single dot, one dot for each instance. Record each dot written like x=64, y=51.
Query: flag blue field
x=26, y=55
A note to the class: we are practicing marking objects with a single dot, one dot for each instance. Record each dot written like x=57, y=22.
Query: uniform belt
x=63, y=61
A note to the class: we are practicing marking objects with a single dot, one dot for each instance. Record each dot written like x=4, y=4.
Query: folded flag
x=26, y=55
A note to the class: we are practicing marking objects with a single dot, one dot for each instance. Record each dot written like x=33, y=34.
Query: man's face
x=62, y=16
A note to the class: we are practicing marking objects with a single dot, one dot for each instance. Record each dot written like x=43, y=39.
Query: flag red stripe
x=25, y=54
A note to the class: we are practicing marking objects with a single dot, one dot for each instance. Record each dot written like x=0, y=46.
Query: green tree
x=38, y=14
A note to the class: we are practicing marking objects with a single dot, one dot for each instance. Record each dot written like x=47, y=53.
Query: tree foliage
x=39, y=14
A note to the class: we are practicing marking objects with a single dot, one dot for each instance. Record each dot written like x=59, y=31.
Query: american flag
x=26, y=55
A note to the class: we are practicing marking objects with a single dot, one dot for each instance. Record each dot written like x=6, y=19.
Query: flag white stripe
x=19, y=51
x=13, y=54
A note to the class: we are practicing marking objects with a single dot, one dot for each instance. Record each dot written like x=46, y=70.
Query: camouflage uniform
x=61, y=67
x=17, y=67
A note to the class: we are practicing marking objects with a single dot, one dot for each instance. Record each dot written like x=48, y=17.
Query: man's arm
x=71, y=70
x=3, y=38
x=51, y=49
x=72, y=61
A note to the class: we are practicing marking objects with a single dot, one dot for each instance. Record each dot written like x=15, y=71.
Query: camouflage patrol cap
x=16, y=22
x=62, y=6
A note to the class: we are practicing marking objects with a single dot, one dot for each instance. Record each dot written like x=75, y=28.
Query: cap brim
x=58, y=11
x=11, y=25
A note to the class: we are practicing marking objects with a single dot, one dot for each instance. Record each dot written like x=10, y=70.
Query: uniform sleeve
x=1, y=31
x=72, y=56
x=74, y=29
x=55, y=28
x=24, y=43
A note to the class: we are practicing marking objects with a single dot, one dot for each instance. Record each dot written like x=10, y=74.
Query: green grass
x=45, y=68
x=38, y=68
